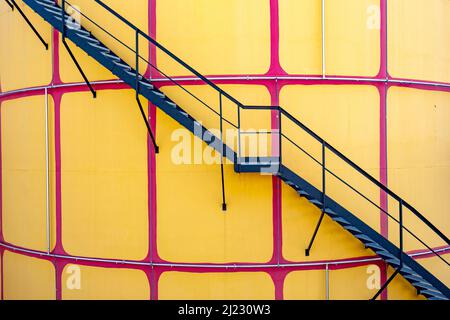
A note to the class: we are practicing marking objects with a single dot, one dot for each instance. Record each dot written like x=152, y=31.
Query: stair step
x=352, y=228
x=99, y=47
x=364, y=238
x=48, y=4
x=341, y=220
x=413, y=277
x=393, y=262
x=82, y=31
x=88, y=38
x=425, y=285
x=373, y=245
x=173, y=104
x=316, y=203
x=198, y=124
x=58, y=17
x=111, y=56
x=133, y=73
x=159, y=94
x=436, y=298
x=302, y=193
x=290, y=183
x=146, y=84
x=54, y=10
x=330, y=212
x=406, y=269
x=387, y=255
x=122, y=65
x=434, y=294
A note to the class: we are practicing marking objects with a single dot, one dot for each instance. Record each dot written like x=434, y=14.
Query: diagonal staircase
x=425, y=282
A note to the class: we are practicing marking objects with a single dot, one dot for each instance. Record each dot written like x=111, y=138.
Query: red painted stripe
x=383, y=138
x=2, y=274
x=56, y=77
x=275, y=66
x=1, y=177
x=59, y=248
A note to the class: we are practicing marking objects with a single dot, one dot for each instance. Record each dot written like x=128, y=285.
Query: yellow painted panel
x=24, y=62
x=301, y=36
x=215, y=286
x=352, y=37
x=418, y=33
x=251, y=120
x=401, y=289
x=27, y=278
x=24, y=172
x=351, y=284
x=419, y=159
x=305, y=285
x=135, y=11
x=104, y=175
x=215, y=37
x=352, y=126
x=194, y=228
x=95, y=283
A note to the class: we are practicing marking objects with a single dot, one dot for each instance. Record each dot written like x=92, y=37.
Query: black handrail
x=289, y=116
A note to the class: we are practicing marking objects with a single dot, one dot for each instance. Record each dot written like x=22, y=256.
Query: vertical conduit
x=47, y=174
x=327, y=282
x=323, y=40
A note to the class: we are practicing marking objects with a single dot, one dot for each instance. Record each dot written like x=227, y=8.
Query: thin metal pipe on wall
x=47, y=174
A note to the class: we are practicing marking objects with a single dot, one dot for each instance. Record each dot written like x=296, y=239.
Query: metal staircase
x=426, y=283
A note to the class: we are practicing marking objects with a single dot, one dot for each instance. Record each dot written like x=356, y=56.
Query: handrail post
x=222, y=154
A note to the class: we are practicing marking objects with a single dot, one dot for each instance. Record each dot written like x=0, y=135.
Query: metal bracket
x=94, y=93
x=10, y=4
x=222, y=154
x=307, y=250
x=13, y=4
x=63, y=33
x=147, y=124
